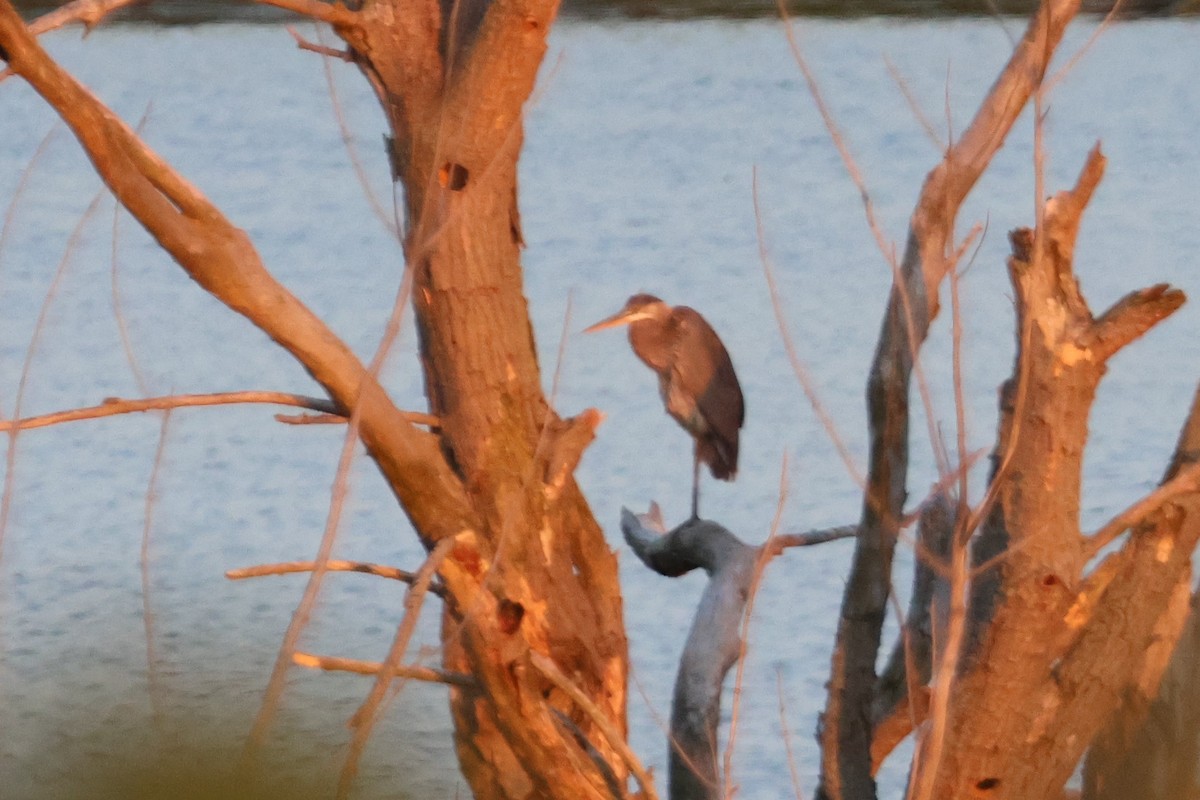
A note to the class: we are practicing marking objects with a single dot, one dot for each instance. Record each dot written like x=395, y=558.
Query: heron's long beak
x=622, y=317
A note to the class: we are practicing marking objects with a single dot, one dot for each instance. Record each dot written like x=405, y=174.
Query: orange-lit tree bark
x=530, y=570
x=532, y=622
x=847, y=724
x=1054, y=644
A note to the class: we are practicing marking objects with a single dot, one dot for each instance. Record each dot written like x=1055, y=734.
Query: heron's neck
x=651, y=341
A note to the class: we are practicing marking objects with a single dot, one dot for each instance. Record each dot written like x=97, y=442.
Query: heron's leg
x=696, y=482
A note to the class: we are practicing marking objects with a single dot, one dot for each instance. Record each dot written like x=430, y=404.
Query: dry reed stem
x=273, y=694
x=364, y=719
x=353, y=665
x=292, y=567
x=886, y=248
x=154, y=684
x=785, y=730
x=360, y=173
x=31, y=351
x=551, y=672
x=799, y=369
x=9, y=217
x=765, y=553
x=913, y=105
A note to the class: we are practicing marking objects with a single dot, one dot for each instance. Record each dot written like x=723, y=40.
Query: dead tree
x=529, y=572
x=534, y=644
x=1055, y=643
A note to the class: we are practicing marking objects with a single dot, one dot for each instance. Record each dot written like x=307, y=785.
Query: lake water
x=637, y=175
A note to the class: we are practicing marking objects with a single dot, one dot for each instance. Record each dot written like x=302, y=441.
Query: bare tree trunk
x=846, y=726
x=1151, y=747
x=456, y=112
x=1061, y=647
x=530, y=571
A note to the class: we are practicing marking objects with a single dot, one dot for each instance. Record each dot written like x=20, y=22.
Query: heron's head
x=640, y=306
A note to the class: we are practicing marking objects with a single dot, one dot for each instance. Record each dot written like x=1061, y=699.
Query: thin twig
x=944, y=676
x=389, y=221
x=548, y=417
x=319, y=49
x=114, y=272
x=913, y=105
x=339, y=664
x=1053, y=81
x=157, y=703
x=960, y=403
x=273, y=694
x=31, y=351
x=785, y=540
x=799, y=369
x=292, y=567
x=1186, y=481
x=364, y=719
x=765, y=554
x=89, y=12
x=9, y=217
x=114, y=405
x=546, y=666
x=310, y=419
x=886, y=248
x=797, y=788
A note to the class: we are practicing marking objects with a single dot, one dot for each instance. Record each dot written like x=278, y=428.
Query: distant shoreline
x=202, y=11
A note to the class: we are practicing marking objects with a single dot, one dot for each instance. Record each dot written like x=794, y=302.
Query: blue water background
x=642, y=144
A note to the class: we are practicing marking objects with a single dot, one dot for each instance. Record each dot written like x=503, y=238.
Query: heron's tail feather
x=721, y=455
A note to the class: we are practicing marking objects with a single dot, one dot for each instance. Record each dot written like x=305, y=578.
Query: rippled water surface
x=642, y=146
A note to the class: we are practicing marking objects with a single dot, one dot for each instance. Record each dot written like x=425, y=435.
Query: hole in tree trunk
x=510, y=615
x=452, y=176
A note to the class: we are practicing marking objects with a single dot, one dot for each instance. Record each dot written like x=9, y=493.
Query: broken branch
x=338, y=664
x=292, y=567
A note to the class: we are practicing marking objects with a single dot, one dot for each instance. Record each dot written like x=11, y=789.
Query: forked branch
x=221, y=258
x=846, y=734
x=713, y=644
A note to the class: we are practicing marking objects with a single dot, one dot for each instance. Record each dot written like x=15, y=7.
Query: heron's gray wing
x=703, y=383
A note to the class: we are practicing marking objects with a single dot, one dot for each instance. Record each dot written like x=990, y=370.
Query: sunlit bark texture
x=529, y=571
x=846, y=733
x=1052, y=642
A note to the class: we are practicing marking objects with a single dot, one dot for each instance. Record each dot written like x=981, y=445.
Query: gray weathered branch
x=712, y=645
x=901, y=700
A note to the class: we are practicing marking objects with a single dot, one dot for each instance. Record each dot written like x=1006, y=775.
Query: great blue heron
x=695, y=377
